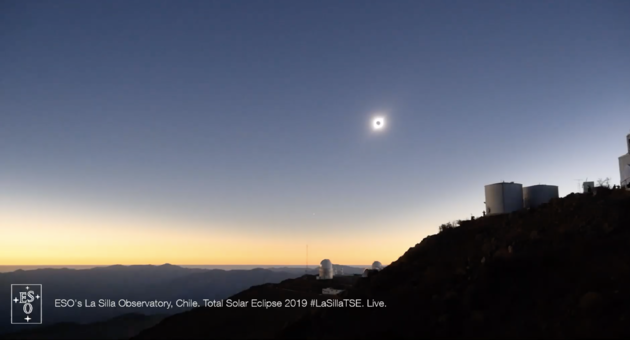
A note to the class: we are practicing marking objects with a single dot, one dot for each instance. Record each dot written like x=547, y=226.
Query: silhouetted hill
x=558, y=271
x=120, y=327
x=166, y=282
x=247, y=322
x=561, y=270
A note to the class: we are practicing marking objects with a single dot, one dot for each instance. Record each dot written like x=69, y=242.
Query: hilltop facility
x=504, y=198
x=325, y=270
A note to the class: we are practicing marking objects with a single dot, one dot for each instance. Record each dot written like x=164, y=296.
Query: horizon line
x=149, y=264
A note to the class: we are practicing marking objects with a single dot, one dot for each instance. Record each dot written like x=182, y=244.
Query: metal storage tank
x=503, y=198
x=624, y=170
x=536, y=195
x=624, y=167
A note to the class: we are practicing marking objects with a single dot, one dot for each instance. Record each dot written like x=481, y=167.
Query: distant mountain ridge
x=137, y=282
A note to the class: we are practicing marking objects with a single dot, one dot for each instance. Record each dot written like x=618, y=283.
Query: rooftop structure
x=331, y=291
x=586, y=186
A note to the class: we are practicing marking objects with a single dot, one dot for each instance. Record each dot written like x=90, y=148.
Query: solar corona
x=378, y=123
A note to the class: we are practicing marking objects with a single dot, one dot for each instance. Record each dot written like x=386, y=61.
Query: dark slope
x=121, y=327
x=246, y=323
x=568, y=276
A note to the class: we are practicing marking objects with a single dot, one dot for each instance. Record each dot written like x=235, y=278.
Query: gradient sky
x=237, y=132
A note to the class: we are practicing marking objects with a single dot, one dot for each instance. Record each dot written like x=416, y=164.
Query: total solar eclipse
x=378, y=123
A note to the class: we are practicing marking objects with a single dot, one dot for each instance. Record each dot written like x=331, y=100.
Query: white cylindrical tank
x=624, y=171
x=326, y=270
x=624, y=167
x=377, y=265
x=503, y=198
x=536, y=195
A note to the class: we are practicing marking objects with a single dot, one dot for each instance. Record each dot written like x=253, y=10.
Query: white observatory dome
x=377, y=265
x=325, y=270
x=326, y=264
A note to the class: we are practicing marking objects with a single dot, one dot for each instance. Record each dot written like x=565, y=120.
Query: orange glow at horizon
x=50, y=238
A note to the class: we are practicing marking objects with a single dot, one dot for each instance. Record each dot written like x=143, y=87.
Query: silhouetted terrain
x=120, y=327
x=567, y=276
x=313, y=270
x=248, y=322
x=561, y=270
x=166, y=282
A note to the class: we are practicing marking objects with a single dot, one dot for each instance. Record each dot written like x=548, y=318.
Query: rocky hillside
x=561, y=270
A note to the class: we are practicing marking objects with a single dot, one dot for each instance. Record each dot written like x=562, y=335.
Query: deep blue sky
x=251, y=118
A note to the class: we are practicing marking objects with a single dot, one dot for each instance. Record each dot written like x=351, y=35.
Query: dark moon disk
x=378, y=123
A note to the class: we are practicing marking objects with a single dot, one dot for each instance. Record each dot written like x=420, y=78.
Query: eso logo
x=26, y=304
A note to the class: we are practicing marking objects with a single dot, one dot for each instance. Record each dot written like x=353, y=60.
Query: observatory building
x=503, y=198
x=588, y=185
x=376, y=267
x=536, y=195
x=331, y=291
x=325, y=270
x=624, y=166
